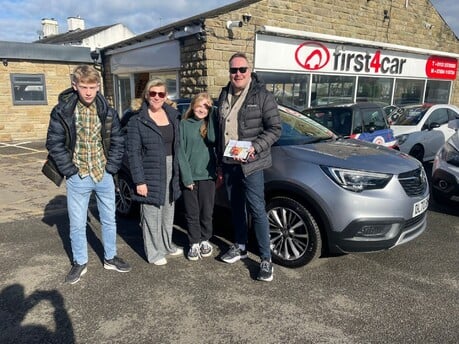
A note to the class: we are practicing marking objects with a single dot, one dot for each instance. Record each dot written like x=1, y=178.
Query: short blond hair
x=87, y=74
x=153, y=83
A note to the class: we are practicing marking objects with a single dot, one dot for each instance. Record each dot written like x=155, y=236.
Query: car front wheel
x=294, y=233
x=125, y=206
x=417, y=152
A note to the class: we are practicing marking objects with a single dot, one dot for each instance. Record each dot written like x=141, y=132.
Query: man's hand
x=250, y=155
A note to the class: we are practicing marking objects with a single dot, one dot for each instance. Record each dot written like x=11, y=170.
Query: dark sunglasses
x=160, y=94
x=242, y=70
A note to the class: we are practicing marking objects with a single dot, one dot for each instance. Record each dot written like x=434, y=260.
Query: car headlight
x=402, y=138
x=357, y=181
x=450, y=154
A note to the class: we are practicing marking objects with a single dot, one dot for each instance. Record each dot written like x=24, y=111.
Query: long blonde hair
x=190, y=113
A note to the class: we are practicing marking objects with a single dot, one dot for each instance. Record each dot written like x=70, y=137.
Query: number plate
x=420, y=207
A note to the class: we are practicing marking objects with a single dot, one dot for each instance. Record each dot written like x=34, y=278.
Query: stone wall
x=30, y=122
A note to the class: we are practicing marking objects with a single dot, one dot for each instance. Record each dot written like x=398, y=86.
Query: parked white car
x=445, y=170
x=422, y=129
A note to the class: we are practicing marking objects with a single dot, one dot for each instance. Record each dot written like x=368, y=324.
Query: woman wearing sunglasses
x=152, y=143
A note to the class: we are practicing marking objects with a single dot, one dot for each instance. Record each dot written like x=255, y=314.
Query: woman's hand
x=142, y=190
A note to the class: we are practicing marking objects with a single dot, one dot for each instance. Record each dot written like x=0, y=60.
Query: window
x=439, y=116
x=437, y=91
x=408, y=92
x=374, y=89
x=332, y=89
x=288, y=89
x=28, y=89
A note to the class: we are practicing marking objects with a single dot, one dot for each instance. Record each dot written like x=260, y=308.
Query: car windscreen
x=410, y=116
x=338, y=119
x=299, y=129
x=373, y=119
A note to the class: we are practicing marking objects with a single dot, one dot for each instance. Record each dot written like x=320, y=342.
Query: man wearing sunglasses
x=247, y=112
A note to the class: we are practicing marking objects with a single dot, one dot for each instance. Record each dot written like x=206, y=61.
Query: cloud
x=23, y=17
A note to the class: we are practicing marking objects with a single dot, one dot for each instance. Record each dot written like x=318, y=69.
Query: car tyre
x=125, y=205
x=417, y=152
x=294, y=234
x=439, y=197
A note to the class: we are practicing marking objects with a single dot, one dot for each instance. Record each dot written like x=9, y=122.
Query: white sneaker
x=178, y=252
x=193, y=253
x=162, y=261
x=205, y=248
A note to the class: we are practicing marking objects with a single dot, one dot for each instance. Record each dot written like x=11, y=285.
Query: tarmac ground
x=409, y=294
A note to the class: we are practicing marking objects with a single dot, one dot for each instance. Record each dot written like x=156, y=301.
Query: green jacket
x=197, y=159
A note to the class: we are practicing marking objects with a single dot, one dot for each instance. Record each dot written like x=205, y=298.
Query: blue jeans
x=79, y=191
x=247, y=194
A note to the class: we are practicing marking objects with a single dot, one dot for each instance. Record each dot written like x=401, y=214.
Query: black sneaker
x=234, y=254
x=266, y=271
x=75, y=273
x=117, y=264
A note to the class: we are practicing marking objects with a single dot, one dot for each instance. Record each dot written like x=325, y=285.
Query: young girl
x=197, y=163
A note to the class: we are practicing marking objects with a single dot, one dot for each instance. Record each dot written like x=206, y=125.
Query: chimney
x=49, y=27
x=75, y=23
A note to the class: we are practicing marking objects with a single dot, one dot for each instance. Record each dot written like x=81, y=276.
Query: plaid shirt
x=89, y=154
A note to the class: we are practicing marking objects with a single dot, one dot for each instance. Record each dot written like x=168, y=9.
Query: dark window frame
x=21, y=96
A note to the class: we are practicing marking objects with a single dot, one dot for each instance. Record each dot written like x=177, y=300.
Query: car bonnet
x=352, y=154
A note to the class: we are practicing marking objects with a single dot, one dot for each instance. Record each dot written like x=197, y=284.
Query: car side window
x=439, y=116
x=452, y=115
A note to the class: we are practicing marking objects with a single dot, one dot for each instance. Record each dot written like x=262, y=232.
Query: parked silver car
x=445, y=170
x=325, y=193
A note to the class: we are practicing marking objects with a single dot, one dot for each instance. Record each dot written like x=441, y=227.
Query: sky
x=20, y=20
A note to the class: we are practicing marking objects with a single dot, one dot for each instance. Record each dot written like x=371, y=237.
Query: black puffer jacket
x=147, y=156
x=258, y=122
x=61, y=136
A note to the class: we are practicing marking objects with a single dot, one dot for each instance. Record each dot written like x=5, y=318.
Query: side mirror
x=433, y=125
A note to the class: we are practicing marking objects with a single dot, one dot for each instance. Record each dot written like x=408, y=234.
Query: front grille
x=414, y=182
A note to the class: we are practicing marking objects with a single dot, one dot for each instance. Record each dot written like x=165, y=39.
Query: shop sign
x=438, y=67
x=285, y=53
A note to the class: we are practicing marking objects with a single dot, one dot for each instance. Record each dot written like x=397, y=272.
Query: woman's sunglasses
x=242, y=70
x=160, y=94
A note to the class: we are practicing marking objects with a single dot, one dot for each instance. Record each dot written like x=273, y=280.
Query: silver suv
x=325, y=193
x=340, y=195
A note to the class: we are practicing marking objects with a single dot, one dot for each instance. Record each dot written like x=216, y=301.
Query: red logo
x=312, y=55
x=441, y=67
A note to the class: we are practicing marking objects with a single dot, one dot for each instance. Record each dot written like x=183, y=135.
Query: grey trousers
x=157, y=224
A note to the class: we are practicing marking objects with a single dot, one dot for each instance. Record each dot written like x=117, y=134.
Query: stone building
x=32, y=76
x=308, y=52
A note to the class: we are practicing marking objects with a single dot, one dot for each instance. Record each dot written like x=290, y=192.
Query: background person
x=152, y=144
x=92, y=156
x=248, y=112
x=197, y=161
